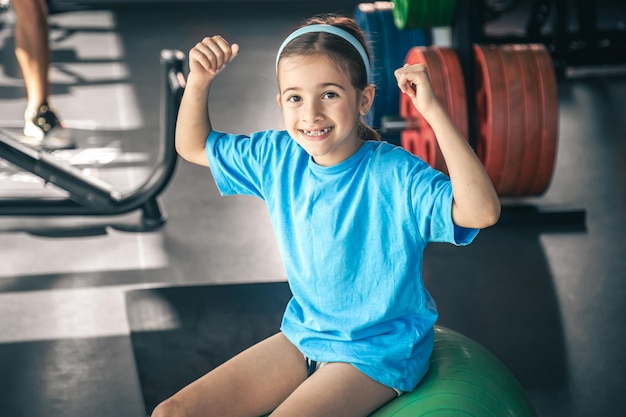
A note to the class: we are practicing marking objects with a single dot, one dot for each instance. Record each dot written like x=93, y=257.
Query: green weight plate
x=423, y=13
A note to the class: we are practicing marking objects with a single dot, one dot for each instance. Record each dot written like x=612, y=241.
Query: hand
x=210, y=56
x=414, y=80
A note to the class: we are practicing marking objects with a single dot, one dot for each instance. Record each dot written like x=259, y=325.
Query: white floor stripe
x=65, y=314
x=26, y=255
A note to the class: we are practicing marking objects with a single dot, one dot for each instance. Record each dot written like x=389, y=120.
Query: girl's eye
x=330, y=94
x=294, y=99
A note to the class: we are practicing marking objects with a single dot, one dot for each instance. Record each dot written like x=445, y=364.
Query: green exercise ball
x=464, y=379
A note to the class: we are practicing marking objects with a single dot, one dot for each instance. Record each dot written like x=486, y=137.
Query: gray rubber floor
x=548, y=301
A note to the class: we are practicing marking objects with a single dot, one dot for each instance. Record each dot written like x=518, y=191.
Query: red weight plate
x=513, y=141
x=407, y=109
x=431, y=149
x=438, y=82
x=550, y=113
x=410, y=140
x=437, y=78
x=533, y=118
x=491, y=121
x=455, y=88
x=413, y=141
x=427, y=56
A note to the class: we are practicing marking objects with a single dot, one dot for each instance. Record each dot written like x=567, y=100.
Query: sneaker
x=47, y=130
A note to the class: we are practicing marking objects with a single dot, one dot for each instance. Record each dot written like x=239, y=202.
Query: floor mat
x=180, y=333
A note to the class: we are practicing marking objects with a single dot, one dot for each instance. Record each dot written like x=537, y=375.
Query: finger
x=234, y=51
x=198, y=54
x=207, y=49
x=224, y=51
x=403, y=82
x=215, y=53
x=409, y=88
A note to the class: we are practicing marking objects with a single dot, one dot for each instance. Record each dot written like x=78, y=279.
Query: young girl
x=352, y=216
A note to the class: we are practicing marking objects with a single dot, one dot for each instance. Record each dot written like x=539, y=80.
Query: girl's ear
x=278, y=101
x=367, y=98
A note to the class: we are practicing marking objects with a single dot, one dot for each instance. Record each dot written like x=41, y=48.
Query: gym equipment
x=88, y=195
x=446, y=78
x=388, y=47
x=517, y=115
x=464, y=379
x=466, y=33
x=516, y=107
x=423, y=144
x=503, y=98
x=412, y=14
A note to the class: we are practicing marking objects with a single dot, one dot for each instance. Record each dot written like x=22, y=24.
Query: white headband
x=328, y=29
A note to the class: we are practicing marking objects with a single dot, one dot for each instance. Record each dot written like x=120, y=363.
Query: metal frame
x=92, y=197
x=585, y=46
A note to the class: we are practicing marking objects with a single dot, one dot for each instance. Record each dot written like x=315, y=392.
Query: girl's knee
x=169, y=408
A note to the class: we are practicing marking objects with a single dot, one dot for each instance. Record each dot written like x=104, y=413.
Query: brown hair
x=338, y=50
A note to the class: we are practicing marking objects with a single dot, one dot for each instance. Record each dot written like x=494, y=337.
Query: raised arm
x=193, y=125
x=476, y=203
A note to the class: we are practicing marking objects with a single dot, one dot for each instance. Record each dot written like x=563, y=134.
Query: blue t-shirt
x=352, y=238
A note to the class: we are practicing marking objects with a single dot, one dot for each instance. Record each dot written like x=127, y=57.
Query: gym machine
x=89, y=196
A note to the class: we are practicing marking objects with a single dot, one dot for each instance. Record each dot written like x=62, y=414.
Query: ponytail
x=367, y=133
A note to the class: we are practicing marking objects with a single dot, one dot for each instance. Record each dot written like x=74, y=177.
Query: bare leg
x=337, y=389
x=272, y=376
x=249, y=385
x=32, y=49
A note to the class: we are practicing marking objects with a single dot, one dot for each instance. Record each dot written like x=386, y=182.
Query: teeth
x=316, y=132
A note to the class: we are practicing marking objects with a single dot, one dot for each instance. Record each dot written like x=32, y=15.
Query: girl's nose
x=311, y=112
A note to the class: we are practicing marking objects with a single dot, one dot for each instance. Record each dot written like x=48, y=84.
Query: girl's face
x=321, y=108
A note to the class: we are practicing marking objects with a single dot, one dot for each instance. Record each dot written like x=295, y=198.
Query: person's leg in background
x=32, y=50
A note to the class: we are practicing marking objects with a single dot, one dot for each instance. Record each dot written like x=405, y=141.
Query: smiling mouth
x=316, y=133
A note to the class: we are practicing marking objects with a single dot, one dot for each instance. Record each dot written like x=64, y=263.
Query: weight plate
x=426, y=56
x=431, y=149
x=388, y=48
x=533, y=118
x=421, y=14
x=422, y=145
x=490, y=119
x=517, y=117
x=366, y=17
x=397, y=43
x=455, y=88
x=446, y=76
x=442, y=13
x=550, y=117
x=513, y=142
x=408, y=14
